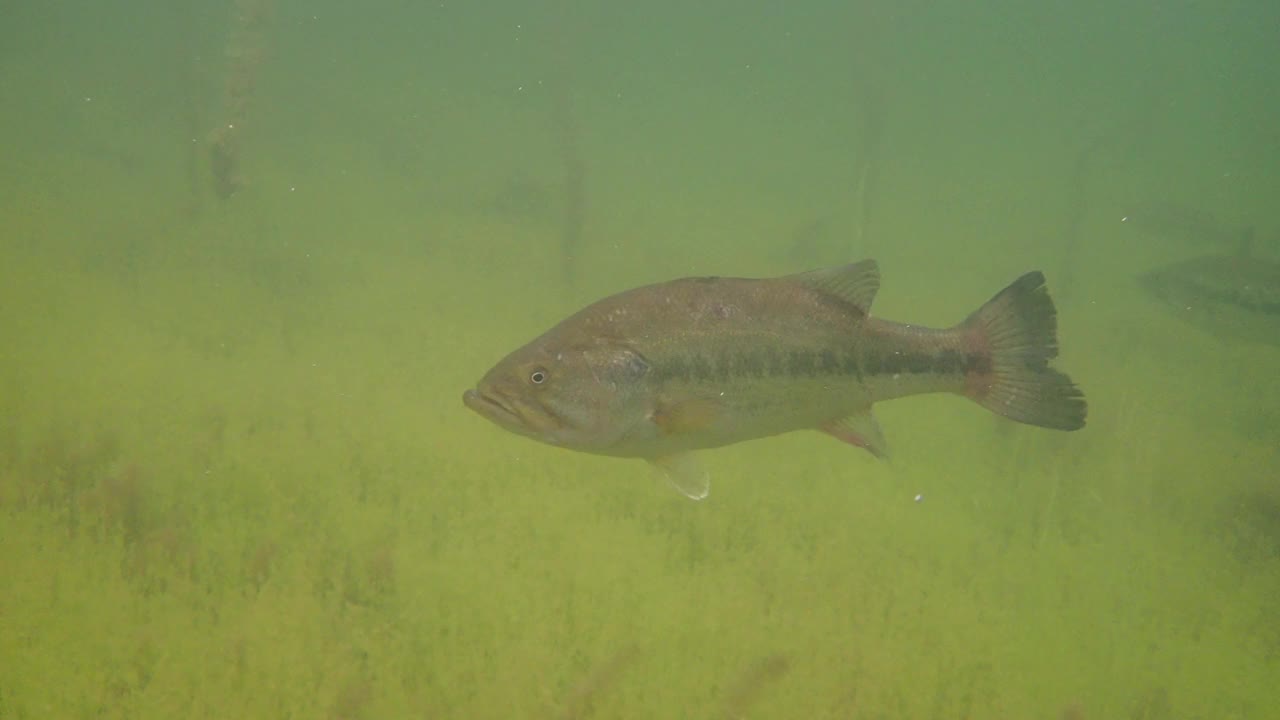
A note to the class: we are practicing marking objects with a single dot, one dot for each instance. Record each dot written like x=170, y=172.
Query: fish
x=1188, y=225
x=1234, y=297
x=662, y=371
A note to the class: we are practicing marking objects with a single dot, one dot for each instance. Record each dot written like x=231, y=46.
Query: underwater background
x=252, y=252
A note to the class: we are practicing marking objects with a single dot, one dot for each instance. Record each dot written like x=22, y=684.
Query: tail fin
x=1019, y=328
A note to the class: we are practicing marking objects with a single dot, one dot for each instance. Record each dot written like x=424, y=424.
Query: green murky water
x=237, y=480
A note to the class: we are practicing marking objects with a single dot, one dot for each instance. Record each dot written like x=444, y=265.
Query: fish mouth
x=494, y=409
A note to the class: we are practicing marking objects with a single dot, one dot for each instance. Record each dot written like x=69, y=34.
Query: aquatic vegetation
x=235, y=479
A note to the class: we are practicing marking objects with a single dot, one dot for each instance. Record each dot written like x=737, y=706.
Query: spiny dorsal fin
x=856, y=284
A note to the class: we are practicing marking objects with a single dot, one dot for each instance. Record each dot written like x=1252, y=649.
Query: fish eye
x=538, y=376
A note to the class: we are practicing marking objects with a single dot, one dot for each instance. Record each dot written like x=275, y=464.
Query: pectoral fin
x=685, y=473
x=686, y=416
x=860, y=429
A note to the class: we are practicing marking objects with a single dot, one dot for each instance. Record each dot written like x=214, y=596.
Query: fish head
x=586, y=396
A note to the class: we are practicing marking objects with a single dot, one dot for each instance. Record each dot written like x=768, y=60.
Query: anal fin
x=860, y=429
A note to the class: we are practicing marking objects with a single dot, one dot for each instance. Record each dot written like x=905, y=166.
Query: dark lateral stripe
x=762, y=363
x=944, y=362
x=770, y=363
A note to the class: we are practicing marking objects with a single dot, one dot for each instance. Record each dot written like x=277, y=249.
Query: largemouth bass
x=1233, y=297
x=1183, y=224
x=664, y=370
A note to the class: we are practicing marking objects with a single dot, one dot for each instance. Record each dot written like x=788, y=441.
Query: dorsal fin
x=855, y=284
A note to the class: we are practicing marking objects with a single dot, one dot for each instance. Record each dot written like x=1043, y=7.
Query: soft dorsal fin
x=856, y=284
